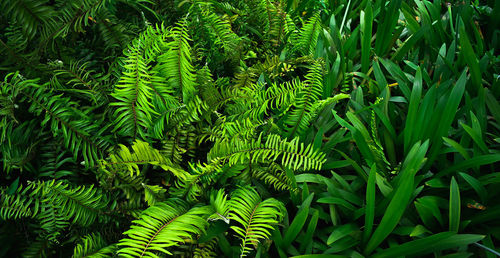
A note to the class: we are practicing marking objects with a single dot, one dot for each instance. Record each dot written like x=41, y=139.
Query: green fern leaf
x=164, y=225
x=32, y=15
x=82, y=204
x=93, y=245
x=300, y=117
x=133, y=93
x=81, y=134
x=293, y=154
x=256, y=217
x=142, y=153
x=309, y=34
x=176, y=63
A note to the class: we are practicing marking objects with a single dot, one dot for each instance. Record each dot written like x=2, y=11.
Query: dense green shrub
x=264, y=128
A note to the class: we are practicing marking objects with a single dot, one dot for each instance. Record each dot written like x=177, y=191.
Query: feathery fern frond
x=38, y=248
x=281, y=24
x=82, y=80
x=220, y=204
x=32, y=15
x=206, y=250
x=53, y=222
x=133, y=93
x=153, y=194
x=278, y=96
x=242, y=129
x=221, y=28
x=58, y=162
x=93, y=245
x=18, y=205
x=172, y=149
x=209, y=91
x=308, y=36
x=177, y=115
x=72, y=16
x=202, y=175
x=273, y=175
x=82, y=204
x=256, y=217
x=293, y=154
x=176, y=63
x=10, y=93
x=141, y=153
x=82, y=135
x=19, y=145
x=300, y=117
x=164, y=225
x=113, y=33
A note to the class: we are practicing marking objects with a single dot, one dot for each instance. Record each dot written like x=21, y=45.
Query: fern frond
x=32, y=15
x=177, y=115
x=245, y=77
x=300, y=117
x=172, y=149
x=93, y=245
x=82, y=135
x=256, y=217
x=209, y=92
x=39, y=248
x=220, y=204
x=82, y=204
x=19, y=205
x=273, y=175
x=206, y=250
x=176, y=63
x=202, y=175
x=53, y=222
x=133, y=93
x=308, y=36
x=242, y=129
x=16, y=41
x=19, y=145
x=164, y=225
x=72, y=16
x=113, y=33
x=153, y=194
x=293, y=154
x=82, y=80
x=221, y=28
x=141, y=153
x=57, y=162
x=280, y=23
x=278, y=96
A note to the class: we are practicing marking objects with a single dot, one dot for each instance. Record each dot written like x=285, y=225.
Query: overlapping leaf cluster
x=269, y=128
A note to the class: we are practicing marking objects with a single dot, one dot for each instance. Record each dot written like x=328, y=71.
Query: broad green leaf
x=298, y=222
x=469, y=55
x=476, y=185
x=454, y=210
x=416, y=94
x=370, y=204
x=387, y=22
x=447, y=116
x=336, y=200
x=401, y=197
x=430, y=244
x=470, y=163
x=457, y=147
x=340, y=232
x=366, y=22
x=307, y=244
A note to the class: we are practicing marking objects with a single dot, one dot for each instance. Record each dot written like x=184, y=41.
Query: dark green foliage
x=260, y=128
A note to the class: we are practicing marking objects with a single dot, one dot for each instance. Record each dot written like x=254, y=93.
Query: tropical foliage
x=260, y=128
